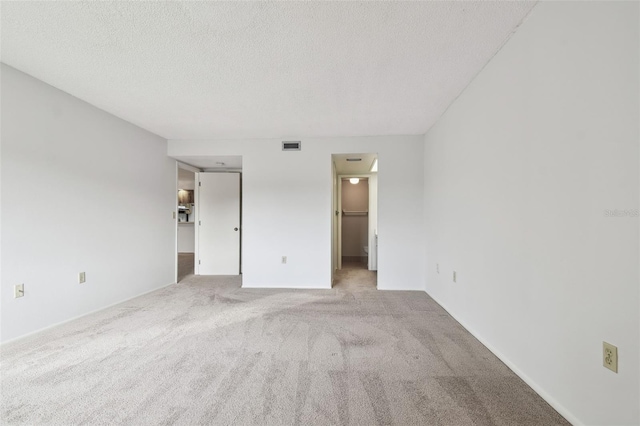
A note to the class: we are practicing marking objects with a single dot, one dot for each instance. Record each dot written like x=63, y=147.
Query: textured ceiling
x=189, y=70
x=344, y=167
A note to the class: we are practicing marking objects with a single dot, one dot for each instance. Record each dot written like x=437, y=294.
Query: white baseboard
x=532, y=384
x=40, y=330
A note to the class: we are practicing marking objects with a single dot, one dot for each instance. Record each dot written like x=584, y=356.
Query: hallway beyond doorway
x=354, y=276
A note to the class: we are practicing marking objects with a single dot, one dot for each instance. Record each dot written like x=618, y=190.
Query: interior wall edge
x=564, y=412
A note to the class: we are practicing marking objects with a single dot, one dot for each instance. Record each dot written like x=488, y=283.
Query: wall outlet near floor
x=454, y=276
x=284, y=259
x=18, y=291
x=82, y=277
x=610, y=356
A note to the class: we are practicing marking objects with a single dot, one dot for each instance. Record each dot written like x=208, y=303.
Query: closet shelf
x=354, y=213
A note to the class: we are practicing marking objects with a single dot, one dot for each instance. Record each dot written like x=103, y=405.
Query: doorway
x=186, y=222
x=354, y=221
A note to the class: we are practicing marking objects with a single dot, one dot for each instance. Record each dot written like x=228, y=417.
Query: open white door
x=219, y=224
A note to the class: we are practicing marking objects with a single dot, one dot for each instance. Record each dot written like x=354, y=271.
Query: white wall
x=287, y=208
x=186, y=179
x=81, y=191
x=186, y=238
x=518, y=175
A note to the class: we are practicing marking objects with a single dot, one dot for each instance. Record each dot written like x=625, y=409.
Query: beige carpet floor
x=206, y=351
x=355, y=277
x=185, y=265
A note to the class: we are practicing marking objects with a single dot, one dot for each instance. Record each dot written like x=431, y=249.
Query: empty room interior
x=320, y=213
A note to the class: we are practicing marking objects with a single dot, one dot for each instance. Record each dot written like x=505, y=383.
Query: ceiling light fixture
x=354, y=159
x=354, y=180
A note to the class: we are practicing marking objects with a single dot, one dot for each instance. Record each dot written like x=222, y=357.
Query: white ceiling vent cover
x=291, y=145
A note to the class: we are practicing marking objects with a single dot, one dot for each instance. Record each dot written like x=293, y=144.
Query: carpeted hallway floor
x=185, y=265
x=206, y=351
x=355, y=277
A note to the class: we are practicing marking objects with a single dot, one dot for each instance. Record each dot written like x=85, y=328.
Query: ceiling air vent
x=291, y=145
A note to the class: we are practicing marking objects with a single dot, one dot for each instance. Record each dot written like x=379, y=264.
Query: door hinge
x=199, y=261
x=199, y=183
x=199, y=222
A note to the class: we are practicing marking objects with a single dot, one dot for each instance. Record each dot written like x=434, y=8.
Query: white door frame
x=334, y=220
x=339, y=227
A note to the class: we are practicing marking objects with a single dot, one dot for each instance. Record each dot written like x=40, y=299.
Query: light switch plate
x=18, y=291
x=82, y=277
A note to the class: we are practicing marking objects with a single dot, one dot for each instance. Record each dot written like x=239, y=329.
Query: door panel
x=219, y=229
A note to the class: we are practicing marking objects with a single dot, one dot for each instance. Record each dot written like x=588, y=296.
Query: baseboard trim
x=568, y=415
x=40, y=330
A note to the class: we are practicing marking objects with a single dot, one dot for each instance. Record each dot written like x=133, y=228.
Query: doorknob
x=235, y=229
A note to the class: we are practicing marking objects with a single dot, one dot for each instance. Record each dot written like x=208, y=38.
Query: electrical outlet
x=82, y=277
x=18, y=291
x=438, y=268
x=454, y=276
x=284, y=259
x=610, y=356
